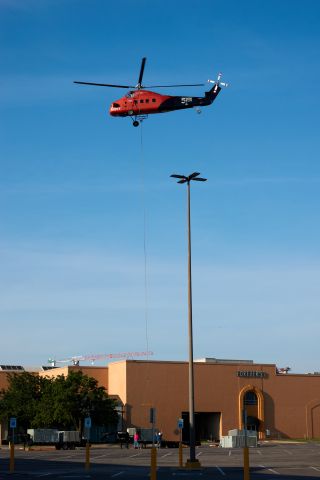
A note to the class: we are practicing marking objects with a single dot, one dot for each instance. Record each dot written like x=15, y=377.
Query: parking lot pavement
x=268, y=462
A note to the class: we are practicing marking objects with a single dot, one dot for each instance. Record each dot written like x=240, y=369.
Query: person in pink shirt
x=136, y=440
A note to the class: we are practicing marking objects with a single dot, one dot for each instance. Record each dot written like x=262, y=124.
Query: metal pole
x=191, y=462
x=246, y=465
x=245, y=418
x=11, y=462
x=180, y=450
x=87, y=462
x=191, y=374
x=153, y=466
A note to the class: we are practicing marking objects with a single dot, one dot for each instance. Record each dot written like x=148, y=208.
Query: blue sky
x=82, y=192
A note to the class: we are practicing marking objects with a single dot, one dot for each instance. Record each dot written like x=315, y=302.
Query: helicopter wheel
x=135, y=123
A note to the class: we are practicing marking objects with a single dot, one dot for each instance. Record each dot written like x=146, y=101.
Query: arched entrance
x=313, y=419
x=253, y=423
x=251, y=398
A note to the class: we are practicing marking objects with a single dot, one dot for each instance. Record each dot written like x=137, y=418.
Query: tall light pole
x=192, y=462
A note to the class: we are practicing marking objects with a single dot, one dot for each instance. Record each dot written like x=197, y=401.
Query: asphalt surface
x=269, y=462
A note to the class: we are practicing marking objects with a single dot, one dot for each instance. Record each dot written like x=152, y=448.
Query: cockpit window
x=115, y=105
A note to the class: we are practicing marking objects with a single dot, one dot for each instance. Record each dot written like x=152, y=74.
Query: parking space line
x=230, y=453
x=220, y=470
x=259, y=451
x=117, y=474
x=270, y=469
x=187, y=474
x=94, y=457
x=72, y=476
x=198, y=454
x=315, y=468
x=166, y=455
x=273, y=471
x=136, y=455
x=287, y=451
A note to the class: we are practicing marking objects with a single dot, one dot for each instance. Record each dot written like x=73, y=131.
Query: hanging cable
x=146, y=306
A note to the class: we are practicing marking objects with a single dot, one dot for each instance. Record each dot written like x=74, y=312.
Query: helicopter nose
x=114, y=108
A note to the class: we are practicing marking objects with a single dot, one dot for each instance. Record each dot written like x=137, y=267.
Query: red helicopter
x=139, y=103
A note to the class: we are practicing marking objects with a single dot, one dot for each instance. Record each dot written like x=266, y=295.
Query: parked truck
x=65, y=439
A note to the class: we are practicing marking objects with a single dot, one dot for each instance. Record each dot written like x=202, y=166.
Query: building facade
x=278, y=405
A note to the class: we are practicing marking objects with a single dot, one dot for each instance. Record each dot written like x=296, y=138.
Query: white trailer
x=43, y=436
x=65, y=439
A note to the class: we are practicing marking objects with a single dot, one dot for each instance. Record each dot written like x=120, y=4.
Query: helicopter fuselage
x=138, y=103
x=145, y=102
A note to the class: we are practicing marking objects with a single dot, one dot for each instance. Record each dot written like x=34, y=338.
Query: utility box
x=232, y=441
x=237, y=438
x=235, y=432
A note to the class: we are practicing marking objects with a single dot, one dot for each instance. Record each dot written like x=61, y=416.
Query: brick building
x=282, y=405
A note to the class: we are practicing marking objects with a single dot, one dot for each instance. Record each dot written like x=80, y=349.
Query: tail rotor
x=218, y=83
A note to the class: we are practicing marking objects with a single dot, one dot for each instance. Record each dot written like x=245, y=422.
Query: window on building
x=250, y=398
x=141, y=101
x=153, y=100
x=147, y=100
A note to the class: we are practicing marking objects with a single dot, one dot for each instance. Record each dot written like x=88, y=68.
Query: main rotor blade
x=142, y=70
x=105, y=85
x=177, y=176
x=180, y=85
x=199, y=179
x=193, y=175
x=184, y=180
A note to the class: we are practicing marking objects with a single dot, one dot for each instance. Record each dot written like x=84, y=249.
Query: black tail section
x=212, y=93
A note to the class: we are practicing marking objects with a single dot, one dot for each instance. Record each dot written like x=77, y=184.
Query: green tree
x=21, y=399
x=61, y=402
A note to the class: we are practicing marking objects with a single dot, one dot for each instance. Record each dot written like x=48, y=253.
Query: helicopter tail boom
x=212, y=93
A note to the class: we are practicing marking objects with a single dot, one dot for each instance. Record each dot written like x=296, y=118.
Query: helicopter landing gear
x=137, y=119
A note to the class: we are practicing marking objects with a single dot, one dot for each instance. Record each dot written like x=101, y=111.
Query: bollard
x=11, y=463
x=180, y=455
x=246, y=467
x=87, y=465
x=153, y=468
